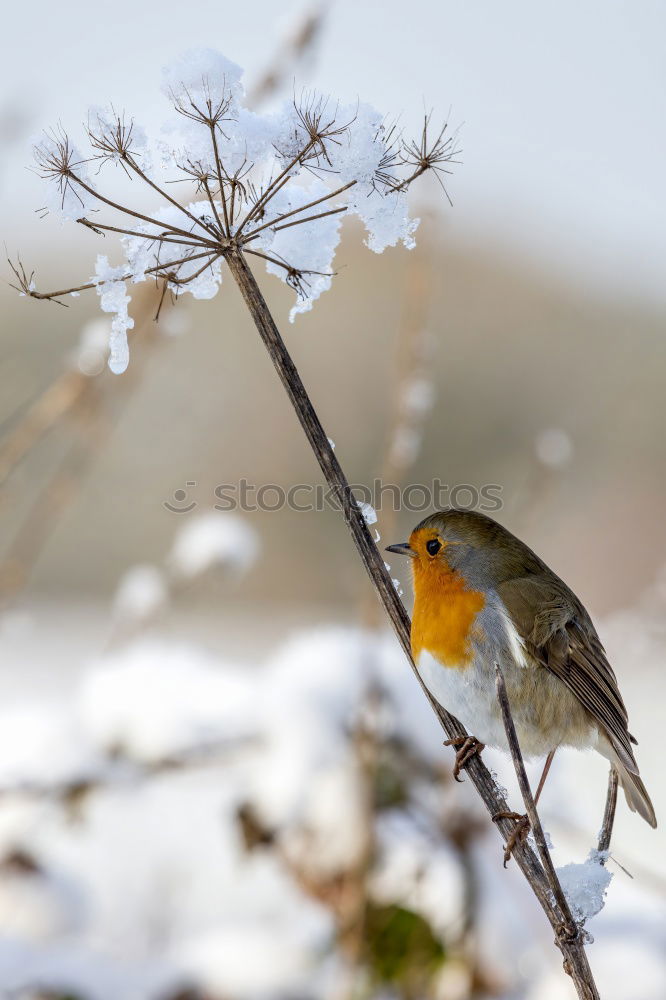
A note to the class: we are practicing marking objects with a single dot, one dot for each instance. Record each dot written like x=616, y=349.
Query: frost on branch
x=272, y=186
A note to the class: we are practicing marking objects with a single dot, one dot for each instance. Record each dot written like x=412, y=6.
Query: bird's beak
x=402, y=549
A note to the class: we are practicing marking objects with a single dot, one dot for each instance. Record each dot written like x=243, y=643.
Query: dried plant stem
x=609, y=812
x=289, y=54
x=44, y=413
x=130, y=211
x=303, y=208
x=572, y=948
x=569, y=926
x=72, y=395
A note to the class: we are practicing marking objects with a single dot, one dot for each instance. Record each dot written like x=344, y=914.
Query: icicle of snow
x=114, y=299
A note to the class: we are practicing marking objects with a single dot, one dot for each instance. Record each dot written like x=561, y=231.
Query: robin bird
x=481, y=598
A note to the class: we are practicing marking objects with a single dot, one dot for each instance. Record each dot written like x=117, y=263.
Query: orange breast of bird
x=445, y=611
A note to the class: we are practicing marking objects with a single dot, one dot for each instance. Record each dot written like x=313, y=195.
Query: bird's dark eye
x=433, y=546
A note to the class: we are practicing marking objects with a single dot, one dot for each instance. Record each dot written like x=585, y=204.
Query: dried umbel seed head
x=272, y=186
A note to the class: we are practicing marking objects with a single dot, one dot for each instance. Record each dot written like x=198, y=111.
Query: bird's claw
x=519, y=833
x=466, y=748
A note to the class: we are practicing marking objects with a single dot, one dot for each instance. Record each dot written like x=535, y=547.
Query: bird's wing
x=558, y=633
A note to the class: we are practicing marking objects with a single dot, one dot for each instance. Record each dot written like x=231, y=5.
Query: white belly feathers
x=467, y=693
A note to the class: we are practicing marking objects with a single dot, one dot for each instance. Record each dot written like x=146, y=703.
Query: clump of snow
x=144, y=253
x=368, y=511
x=249, y=959
x=554, y=447
x=309, y=247
x=155, y=700
x=202, y=74
x=141, y=592
x=418, y=396
x=41, y=743
x=112, y=291
x=213, y=539
x=585, y=885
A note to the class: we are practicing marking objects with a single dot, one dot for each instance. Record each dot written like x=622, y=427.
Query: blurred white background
x=213, y=784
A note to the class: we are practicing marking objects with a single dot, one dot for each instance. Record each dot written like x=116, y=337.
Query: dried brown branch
x=294, y=272
x=45, y=412
x=220, y=171
x=606, y=831
x=72, y=395
x=303, y=208
x=428, y=154
x=568, y=924
x=274, y=186
x=311, y=218
x=159, y=269
x=138, y=215
x=571, y=946
x=98, y=227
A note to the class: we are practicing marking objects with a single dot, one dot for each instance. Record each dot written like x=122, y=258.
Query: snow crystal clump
x=141, y=592
x=142, y=254
x=359, y=155
x=368, y=511
x=201, y=74
x=585, y=885
x=41, y=744
x=199, y=81
x=112, y=291
x=307, y=247
x=213, y=539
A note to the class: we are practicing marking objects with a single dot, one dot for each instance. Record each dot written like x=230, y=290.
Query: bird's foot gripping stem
x=466, y=748
x=517, y=835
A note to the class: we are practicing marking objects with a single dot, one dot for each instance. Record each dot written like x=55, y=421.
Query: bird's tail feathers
x=634, y=790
